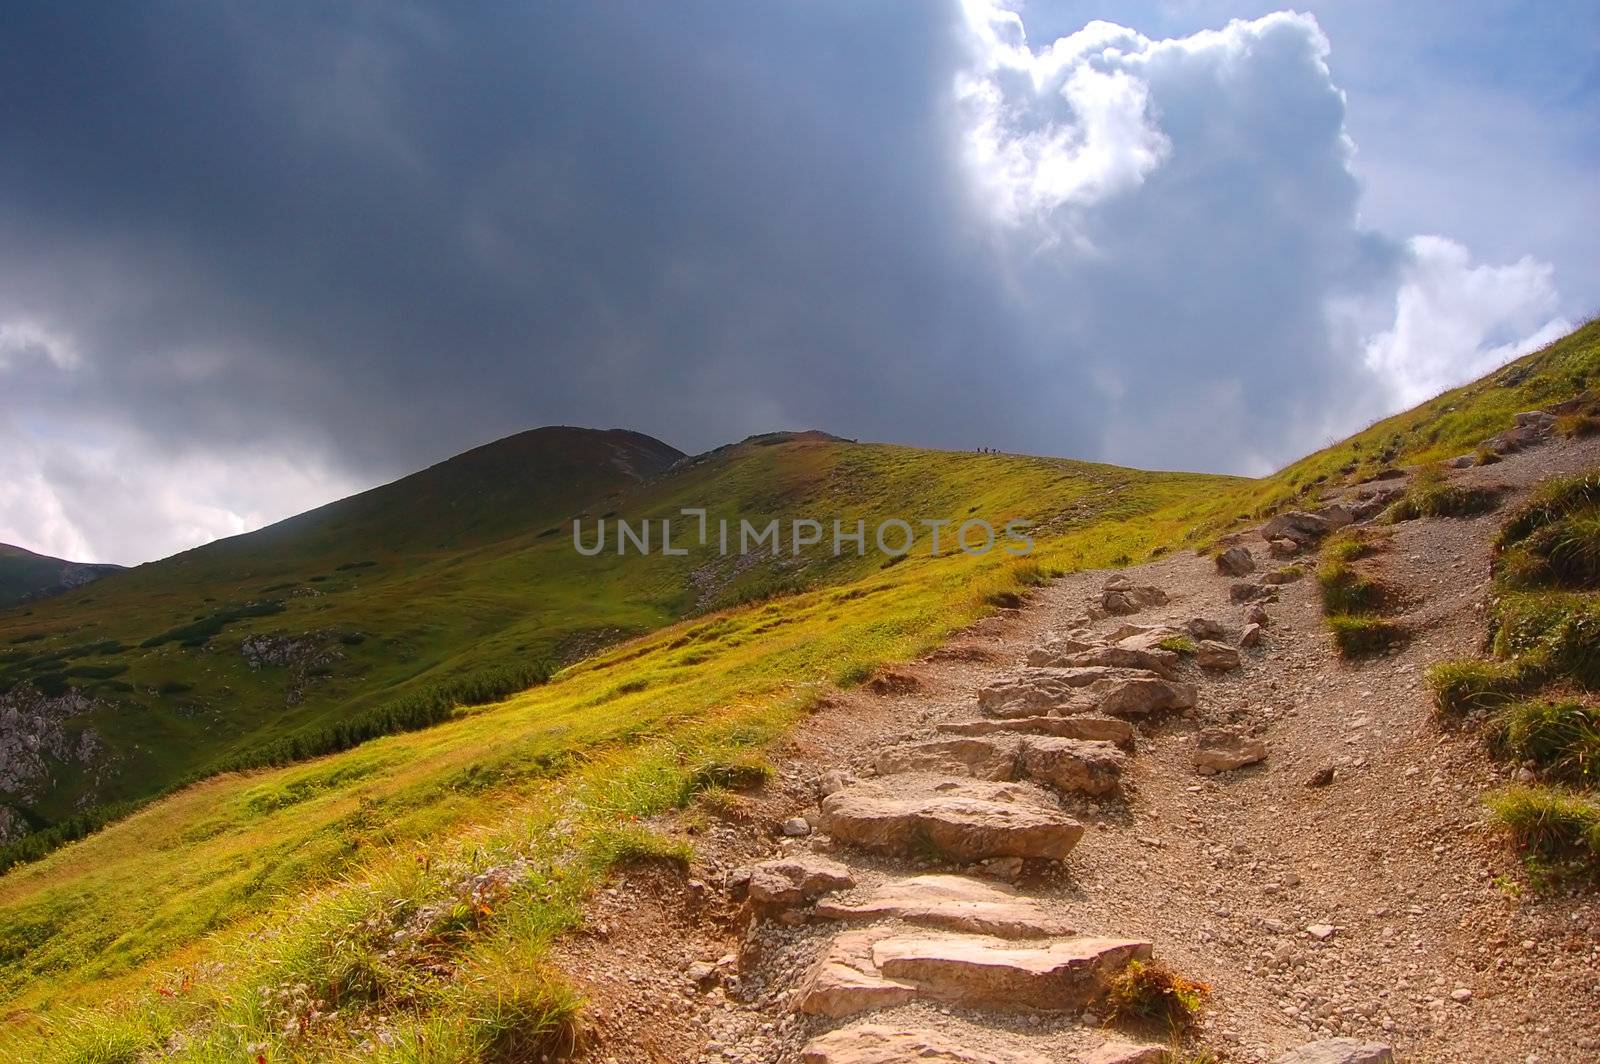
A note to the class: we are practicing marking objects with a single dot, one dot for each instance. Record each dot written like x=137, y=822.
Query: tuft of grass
x=1552, y=825
x=1178, y=644
x=619, y=845
x=1552, y=501
x=1345, y=591
x=1552, y=635
x=1561, y=737
x=1150, y=990
x=1577, y=426
x=740, y=770
x=1464, y=686
x=1485, y=455
x=1356, y=637
x=1431, y=494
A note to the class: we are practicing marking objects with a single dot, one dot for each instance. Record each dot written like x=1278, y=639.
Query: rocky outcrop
x=1122, y=596
x=786, y=882
x=37, y=731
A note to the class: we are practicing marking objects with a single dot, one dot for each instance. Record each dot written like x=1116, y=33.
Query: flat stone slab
x=1125, y=1053
x=879, y=1043
x=845, y=980
x=982, y=757
x=874, y=969
x=1339, y=1051
x=1140, y=695
x=957, y=903
x=1087, y=726
x=1068, y=974
x=957, y=819
x=1222, y=750
x=1161, y=662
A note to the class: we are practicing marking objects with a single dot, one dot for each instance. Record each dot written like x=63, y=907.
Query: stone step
x=874, y=969
x=949, y=818
x=1105, y=729
x=956, y=903
x=1083, y=766
x=879, y=1042
x=1085, y=689
x=1163, y=663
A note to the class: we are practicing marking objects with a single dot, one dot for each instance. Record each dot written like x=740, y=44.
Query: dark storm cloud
x=406, y=232
x=253, y=255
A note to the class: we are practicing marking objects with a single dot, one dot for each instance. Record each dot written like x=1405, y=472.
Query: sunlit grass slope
x=394, y=901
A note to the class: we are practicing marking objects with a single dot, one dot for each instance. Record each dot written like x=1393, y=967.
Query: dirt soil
x=1439, y=947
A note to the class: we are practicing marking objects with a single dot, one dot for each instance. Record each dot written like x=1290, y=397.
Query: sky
x=257, y=256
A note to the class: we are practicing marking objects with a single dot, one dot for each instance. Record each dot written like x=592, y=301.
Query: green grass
x=1469, y=685
x=1560, y=737
x=1147, y=991
x=1178, y=644
x=1431, y=494
x=1559, y=829
x=1356, y=637
x=1345, y=591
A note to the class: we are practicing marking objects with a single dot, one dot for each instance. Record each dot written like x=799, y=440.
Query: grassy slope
x=456, y=536
x=269, y=878
x=24, y=574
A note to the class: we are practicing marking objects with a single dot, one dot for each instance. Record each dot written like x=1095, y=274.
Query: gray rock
x=1223, y=749
x=1216, y=656
x=1339, y=1051
x=1236, y=561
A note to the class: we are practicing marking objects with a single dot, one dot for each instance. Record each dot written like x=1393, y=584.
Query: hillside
x=128, y=687
x=26, y=576
x=479, y=840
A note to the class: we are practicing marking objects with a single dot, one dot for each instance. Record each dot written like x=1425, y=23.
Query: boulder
x=955, y=903
x=1205, y=628
x=1339, y=1051
x=1531, y=427
x=1139, y=695
x=786, y=882
x=1256, y=613
x=1222, y=749
x=1236, y=561
x=1250, y=636
x=1283, y=548
x=1245, y=591
x=1087, y=726
x=879, y=1043
x=956, y=819
x=1216, y=656
x=1299, y=526
x=1084, y=766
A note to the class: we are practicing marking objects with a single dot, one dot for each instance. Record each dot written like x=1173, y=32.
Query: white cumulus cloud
x=1454, y=320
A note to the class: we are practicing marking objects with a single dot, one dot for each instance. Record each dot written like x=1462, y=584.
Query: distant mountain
x=26, y=576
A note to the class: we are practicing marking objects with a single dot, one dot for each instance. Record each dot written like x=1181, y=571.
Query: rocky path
x=974, y=846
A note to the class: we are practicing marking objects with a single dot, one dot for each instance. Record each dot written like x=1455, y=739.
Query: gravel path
x=1436, y=947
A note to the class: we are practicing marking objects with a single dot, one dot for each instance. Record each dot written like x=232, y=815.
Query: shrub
x=1178, y=644
x=1356, y=637
x=1552, y=824
x=1149, y=990
x=1561, y=737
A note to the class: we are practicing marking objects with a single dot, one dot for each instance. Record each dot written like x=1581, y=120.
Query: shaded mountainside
x=457, y=584
x=413, y=885
x=27, y=577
